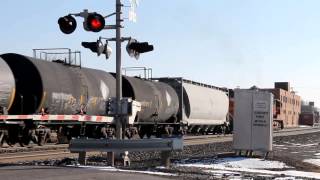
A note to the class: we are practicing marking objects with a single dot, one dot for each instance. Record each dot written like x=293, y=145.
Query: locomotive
x=39, y=97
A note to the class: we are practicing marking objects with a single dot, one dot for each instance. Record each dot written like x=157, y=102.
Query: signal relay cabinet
x=253, y=120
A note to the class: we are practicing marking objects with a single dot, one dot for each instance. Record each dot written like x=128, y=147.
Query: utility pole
x=118, y=70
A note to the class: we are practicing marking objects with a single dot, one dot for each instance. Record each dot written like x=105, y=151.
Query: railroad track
x=61, y=151
x=32, y=147
x=296, y=131
x=33, y=155
x=195, y=140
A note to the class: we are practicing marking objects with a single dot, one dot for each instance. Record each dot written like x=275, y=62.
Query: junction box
x=253, y=120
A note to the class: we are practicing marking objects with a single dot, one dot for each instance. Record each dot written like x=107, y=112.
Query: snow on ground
x=304, y=126
x=249, y=165
x=282, y=148
x=313, y=161
x=240, y=162
x=231, y=168
x=289, y=144
x=279, y=145
x=290, y=173
x=308, y=145
x=295, y=152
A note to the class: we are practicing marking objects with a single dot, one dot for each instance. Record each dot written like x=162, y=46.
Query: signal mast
x=95, y=22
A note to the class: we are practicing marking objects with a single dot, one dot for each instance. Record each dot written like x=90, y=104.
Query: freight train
x=39, y=97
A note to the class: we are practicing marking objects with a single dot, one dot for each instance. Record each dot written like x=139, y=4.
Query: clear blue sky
x=226, y=43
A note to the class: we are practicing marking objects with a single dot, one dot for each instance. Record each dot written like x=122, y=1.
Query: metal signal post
x=119, y=118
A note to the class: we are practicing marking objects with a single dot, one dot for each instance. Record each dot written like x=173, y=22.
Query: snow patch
x=289, y=174
x=250, y=163
x=313, y=161
x=282, y=148
x=304, y=126
x=308, y=145
x=279, y=145
x=294, y=145
x=269, y=172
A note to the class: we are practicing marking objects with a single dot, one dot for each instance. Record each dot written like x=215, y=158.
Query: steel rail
x=62, y=151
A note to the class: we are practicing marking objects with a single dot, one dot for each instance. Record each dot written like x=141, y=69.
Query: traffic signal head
x=98, y=47
x=131, y=52
x=134, y=48
x=67, y=24
x=141, y=47
x=94, y=22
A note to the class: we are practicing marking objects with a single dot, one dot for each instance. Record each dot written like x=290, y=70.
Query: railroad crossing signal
x=67, y=24
x=134, y=48
x=98, y=47
x=141, y=47
x=93, y=22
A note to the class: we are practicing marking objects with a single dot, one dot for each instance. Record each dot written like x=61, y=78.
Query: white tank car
x=202, y=107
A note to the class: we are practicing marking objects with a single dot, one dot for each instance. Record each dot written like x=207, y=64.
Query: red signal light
x=95, y=22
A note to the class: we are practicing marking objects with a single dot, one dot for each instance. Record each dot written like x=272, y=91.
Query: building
x=309, y=114
x=287, y=105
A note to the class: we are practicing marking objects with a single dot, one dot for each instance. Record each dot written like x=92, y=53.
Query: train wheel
x=24, y=141
x=142, y=132
x=25, y=137
x=11, y=141
x=12, y=137
x=149, y=135
x=149, y=131
x=146, y=130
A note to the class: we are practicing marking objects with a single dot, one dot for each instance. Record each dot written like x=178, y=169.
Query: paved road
x=68, y=173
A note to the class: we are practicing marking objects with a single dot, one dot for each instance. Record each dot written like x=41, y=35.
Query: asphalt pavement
x=69, y=173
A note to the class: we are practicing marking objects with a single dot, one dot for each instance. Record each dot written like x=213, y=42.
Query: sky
x=226, y=43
